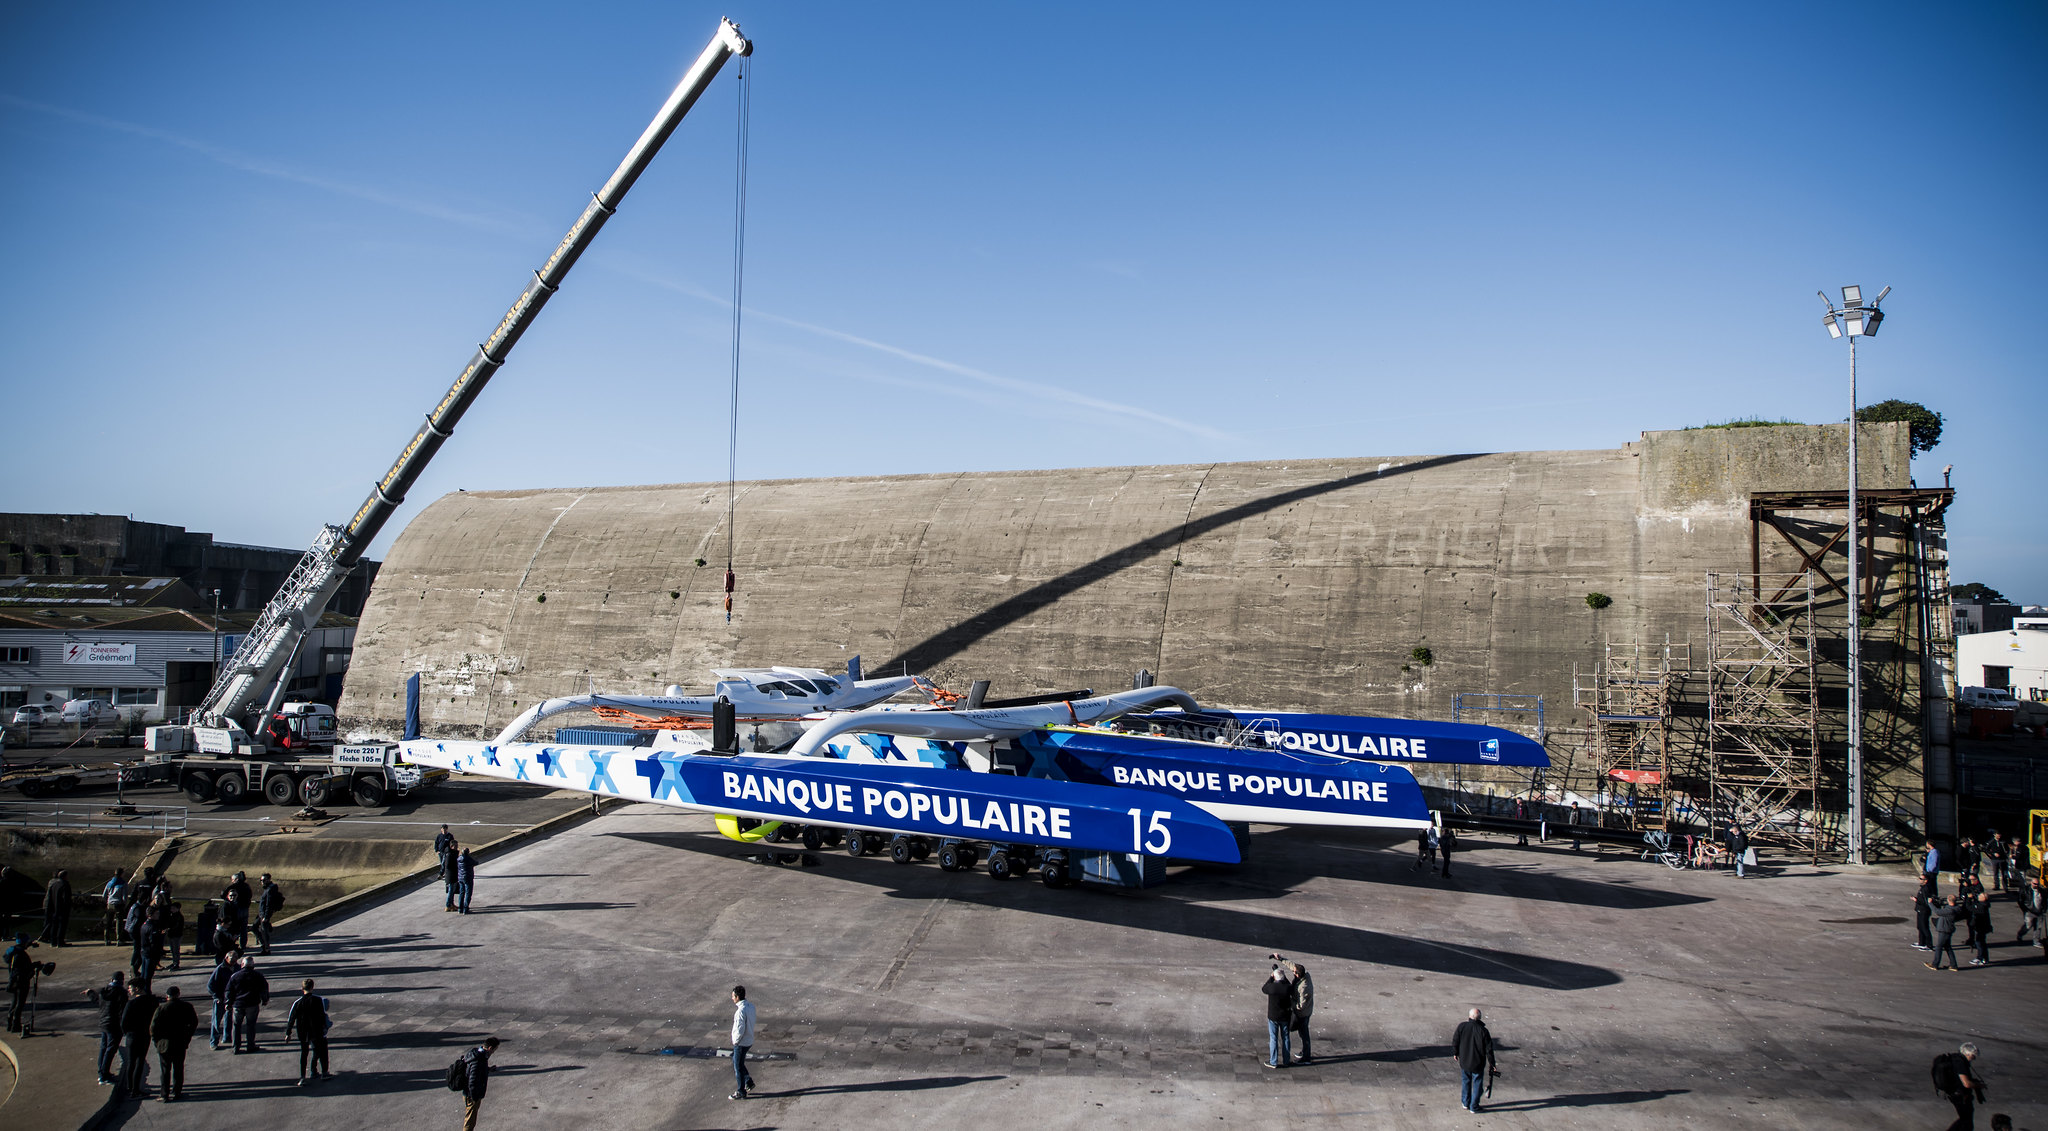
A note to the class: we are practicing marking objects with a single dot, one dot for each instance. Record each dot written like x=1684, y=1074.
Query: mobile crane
x=216, y=754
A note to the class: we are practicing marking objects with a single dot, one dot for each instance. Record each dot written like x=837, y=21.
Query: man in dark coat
x=1944, y=934
x=1956, y=1079
x=1473, y=1046
x=451, y=855
x=269, y=902
x=174, y=931
x=1738, y=847
x=172, y=1031
x=234, y=917
x=1425, y=848
x=476, y=1069
x=1279, y=1016
x=2033, y=909
x=135, y=1019
x=1445, y=842
x=109, y=1001
x=21, y=977
x=1304, y=1008
x=1923, y=911
x=57, y=910
x=248, y=993
x=465, y=880
x=1980, y=928
x=307, y=1020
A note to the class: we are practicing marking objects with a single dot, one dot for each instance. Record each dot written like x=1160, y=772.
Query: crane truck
x=241, y=742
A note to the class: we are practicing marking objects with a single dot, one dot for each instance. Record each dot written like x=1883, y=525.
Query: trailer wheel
x=953, y=858
x=66, y=784
x=31, y=788
x=920, y=847
x=280, y=789
x=369, y=792
x=1053, y=873
x=856, y=844
x=313, y=791
x=813, y=839
x=999, y=867
x=899, y=850
x=199, y=788
x=232, y=788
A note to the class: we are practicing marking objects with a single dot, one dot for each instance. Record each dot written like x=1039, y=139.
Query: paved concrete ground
x=1623, y=994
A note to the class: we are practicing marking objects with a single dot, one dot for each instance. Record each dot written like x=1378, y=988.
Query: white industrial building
x=138, y=643
x=2016, y=659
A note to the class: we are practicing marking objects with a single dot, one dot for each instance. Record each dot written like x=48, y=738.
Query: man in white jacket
x=742, y=1040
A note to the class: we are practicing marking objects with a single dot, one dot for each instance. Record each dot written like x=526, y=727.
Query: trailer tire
x=281, y=789
x=920, y=847
x=813, y=839
x=66, y=784
x=31, y=788
x=231, y=789
x=313, y=791
x=999, y=865
x=198, y=787
x=1053, y=872
x=899, y=850
x=856, y=843
x=369, y=791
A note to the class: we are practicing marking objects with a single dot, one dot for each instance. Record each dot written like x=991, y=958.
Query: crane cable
x=739, y=257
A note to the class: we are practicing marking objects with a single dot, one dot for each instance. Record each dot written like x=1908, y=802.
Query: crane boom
x=284, y=622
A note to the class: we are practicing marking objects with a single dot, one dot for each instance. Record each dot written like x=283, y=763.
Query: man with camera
x=1955, y=1077
x=1279, y=990
x=22, y=969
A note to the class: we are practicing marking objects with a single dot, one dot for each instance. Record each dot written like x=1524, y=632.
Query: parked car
x=90, y=712
x=35, y=716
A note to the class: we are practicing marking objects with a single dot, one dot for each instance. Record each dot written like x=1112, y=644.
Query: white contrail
x=248, y=164
x=993, y=380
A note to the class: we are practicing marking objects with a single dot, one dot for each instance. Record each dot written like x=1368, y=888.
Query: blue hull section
x=817, y=791
x=1237, y=784
x=1408, y=741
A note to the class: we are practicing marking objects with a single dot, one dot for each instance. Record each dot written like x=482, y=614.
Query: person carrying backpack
x=471, y=1075
x=1956, y=1079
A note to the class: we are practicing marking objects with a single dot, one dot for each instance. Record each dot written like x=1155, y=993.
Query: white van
x=1986, y=697
x=90, y=712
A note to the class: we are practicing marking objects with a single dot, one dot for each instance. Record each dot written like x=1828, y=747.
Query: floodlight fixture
x=1853, y=321
x=1834, y=325
x=1852, y=295
x=1871, y=322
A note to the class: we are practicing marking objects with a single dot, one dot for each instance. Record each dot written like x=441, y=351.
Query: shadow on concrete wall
x=949, y=642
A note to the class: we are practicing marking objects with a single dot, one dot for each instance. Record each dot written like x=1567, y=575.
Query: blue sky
x=251, y=244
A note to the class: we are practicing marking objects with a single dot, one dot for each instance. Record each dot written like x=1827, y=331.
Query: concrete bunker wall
x=1299, y=583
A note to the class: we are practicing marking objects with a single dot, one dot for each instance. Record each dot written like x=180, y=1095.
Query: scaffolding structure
x=1763, y=713
x=1632, y=694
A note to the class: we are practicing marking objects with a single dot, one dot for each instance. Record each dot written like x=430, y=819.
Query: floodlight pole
x=1855, y=845
x=1854, y=319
